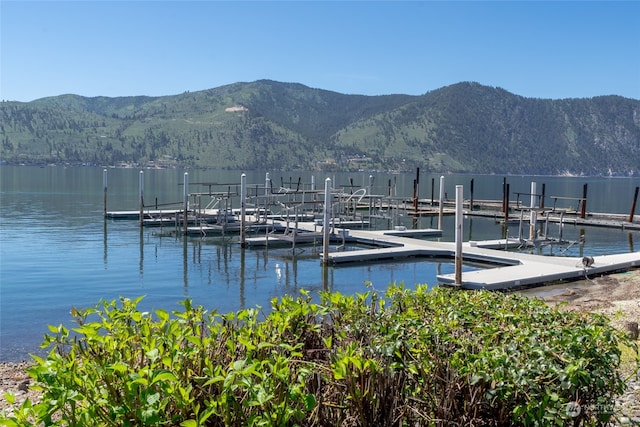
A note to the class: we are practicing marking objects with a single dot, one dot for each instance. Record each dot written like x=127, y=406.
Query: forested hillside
x=465, y=127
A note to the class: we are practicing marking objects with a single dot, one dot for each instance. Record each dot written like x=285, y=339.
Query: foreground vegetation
x=408, y=357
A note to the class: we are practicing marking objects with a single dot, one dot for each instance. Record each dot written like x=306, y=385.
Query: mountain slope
x=464, y=127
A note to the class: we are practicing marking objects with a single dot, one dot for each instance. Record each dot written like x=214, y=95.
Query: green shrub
x=410, y=357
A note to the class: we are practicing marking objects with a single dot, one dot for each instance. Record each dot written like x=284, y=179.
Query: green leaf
x=162, y=315
x=153, y=398
x=10, y=397
x=163, y=375
x=153, y=354
x=309, y=402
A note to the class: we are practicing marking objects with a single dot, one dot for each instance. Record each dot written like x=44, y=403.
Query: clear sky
x=539, y=49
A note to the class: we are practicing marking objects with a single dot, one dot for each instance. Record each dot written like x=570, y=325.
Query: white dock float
x=538, y=269
x=508, y=243
x=423, y=232
x=147, y=213
x=512, y=269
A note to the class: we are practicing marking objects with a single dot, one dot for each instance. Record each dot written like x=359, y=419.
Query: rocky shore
x=617, y=296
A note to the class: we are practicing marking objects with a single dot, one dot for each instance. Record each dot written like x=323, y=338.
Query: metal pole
x=458, y=234
x=185, y=197
x=243, y=196
x=471, y=200
x=267, y=186
x=326, y=223
x=369, y=192
x=141, y=195
x=441, y=201
x=104, y=186
x=532, y=212
x=631, y=214
x=532, y=203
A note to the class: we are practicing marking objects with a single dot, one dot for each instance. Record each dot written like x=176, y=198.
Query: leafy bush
x=410, y=357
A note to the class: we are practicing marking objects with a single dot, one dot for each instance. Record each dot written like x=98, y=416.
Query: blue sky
x=537, y=49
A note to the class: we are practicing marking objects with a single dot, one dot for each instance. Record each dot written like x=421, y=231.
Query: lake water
x=57, y=251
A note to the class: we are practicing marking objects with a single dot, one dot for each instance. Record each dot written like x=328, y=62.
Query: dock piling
x=505, y=195
x=326, y=221
x=631, y=214
x=104, y=186
x=185, y=196
x=583, y=207
x=416, y=191
x=532, y=212
x=506, y=203
x=141, y=194
x=440, y=203
x=471, y=198
x=433, y=183
x=458, y=234
x=243, y=197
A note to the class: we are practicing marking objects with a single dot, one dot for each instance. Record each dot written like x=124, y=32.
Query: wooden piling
x=417, y=190
x=583, y=207
x=505, y=195
x=506, y=203
x=415, y=197
x=433, y=183
x=633, y=204
x=471, y=199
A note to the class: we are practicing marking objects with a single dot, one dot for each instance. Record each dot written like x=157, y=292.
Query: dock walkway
x=512, y=269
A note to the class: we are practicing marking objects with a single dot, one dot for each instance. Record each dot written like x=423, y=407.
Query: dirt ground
x=615, y=295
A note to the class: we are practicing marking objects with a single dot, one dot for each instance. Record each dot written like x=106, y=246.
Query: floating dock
x=532, y=270
x=354, y=210
x=509, y=269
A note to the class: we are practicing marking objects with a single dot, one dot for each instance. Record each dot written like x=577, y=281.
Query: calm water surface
x=56, y=250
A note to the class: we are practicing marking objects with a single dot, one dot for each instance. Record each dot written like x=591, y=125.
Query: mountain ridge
x=464, y=127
